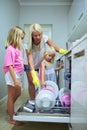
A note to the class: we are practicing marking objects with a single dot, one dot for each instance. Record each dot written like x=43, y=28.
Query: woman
x=34, y=51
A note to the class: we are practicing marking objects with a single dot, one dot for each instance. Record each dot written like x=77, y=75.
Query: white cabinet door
x=79, y=86
x=76, y=15
x=86, y=6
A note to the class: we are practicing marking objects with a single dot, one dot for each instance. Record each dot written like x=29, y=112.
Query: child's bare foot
x=19, y=123
x=7, y=111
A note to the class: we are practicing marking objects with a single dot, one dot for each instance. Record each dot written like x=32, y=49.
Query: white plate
x=45, y=99
x=54, y=86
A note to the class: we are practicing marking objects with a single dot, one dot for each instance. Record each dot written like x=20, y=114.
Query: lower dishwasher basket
x=56, y=114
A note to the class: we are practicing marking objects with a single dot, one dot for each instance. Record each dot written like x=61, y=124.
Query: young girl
x=47, y=70
x=13, y=69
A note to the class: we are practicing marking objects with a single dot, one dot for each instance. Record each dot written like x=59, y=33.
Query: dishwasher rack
x=56, y=114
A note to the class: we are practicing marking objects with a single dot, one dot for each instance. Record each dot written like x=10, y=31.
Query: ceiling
x=45, y=2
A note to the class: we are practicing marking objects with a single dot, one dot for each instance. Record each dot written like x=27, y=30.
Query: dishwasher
x=56, y=114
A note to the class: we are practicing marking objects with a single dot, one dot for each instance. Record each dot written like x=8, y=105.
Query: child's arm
x=43, y=74
x=59, y=68
x=15, y=80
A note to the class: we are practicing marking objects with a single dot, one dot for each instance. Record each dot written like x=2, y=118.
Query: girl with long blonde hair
x=13, y=70
x=47, y=70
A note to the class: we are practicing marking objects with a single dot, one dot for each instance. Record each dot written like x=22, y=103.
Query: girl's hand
x=17, y=83
x=62, y=65
x=44, y=84
x=12, y=73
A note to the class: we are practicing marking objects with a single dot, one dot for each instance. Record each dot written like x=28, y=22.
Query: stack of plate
x=46, y=98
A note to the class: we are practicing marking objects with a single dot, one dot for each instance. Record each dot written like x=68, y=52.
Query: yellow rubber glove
x=62, y=51
x=36, y=81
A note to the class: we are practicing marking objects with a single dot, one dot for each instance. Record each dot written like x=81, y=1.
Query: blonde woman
x=13, y=70
x=34, y=51
x=47, y=69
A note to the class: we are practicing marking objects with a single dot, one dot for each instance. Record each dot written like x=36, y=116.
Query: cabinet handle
x=80, y=16
x=73, y=27
x=79, y=54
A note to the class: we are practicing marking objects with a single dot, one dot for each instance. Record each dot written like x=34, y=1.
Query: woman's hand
x=62, y=51
x=36, y=81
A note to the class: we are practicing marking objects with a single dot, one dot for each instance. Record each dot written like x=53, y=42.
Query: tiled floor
x=4, y=124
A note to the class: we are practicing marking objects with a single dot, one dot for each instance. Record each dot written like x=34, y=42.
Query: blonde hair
x=33, y=28
x=14, y=37
x=21, y=29
x=49, y=50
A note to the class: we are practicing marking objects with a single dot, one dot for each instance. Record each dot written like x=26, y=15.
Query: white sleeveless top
x=37, y=52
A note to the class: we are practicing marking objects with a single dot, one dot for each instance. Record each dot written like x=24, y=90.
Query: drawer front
x=79, y=83
x=42, y=118
x=79, y=62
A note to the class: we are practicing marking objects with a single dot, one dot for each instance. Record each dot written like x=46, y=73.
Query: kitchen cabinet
x=79, y=85
x=76, y=12
x=75, y=61
x=77, y=20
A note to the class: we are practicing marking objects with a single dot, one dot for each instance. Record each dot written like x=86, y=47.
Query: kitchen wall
x=55, y=15
x=9, y=16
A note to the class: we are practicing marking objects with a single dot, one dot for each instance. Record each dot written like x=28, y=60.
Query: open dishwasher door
x=56, y=114
x=48, y=107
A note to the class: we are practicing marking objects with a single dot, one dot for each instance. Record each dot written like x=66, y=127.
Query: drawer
x=79, y=53
x=79, y=61
x=38, y=117
x=55, y=115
